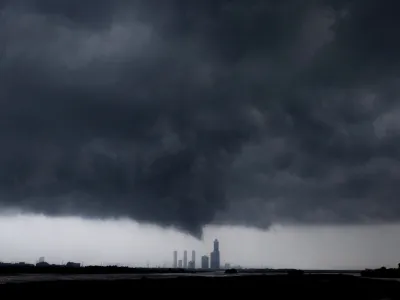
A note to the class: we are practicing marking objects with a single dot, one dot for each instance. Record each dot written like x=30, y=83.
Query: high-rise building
x=180, y=263
x=175, y=263
x=194, y=259
x=185, y=261
x=216, y=245
x=204, y=262
x=191, y=265
x=215, y=257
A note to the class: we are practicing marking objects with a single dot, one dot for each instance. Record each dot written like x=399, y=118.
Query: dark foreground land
x=382, y=273
x=264, y=286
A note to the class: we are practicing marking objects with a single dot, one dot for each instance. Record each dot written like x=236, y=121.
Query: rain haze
x=130, y=129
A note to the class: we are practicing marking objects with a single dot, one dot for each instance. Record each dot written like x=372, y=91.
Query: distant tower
x=185, y=265
x=216, y=245
x=175, y=264
x=204, y=262
x=194, y=259
x=215, y=257
x=180, y=263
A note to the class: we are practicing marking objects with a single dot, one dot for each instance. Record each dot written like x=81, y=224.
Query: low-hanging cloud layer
x=187, y=113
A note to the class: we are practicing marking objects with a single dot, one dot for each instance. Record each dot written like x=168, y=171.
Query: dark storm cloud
x=186, y=113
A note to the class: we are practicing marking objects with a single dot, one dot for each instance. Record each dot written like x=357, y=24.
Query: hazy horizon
x=129, y=243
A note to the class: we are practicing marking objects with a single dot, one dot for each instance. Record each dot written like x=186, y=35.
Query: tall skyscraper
x=185, y=261
x=204, y=262
x=194, y=259
x=175, y=264
x=216, y=245
x=215, y=257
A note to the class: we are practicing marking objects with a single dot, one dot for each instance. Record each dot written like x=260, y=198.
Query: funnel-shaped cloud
x=186, y=113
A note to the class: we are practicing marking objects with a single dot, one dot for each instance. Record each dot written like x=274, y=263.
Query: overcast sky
x=191, y=114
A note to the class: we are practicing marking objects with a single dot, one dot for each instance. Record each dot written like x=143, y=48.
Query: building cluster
x=41, y=262
x=207, y=262
x=185, y=263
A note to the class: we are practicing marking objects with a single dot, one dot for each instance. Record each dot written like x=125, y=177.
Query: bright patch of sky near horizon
x=27, y=237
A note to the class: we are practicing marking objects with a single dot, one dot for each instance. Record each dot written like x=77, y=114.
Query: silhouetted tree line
x=382, y=272
x=72, y=269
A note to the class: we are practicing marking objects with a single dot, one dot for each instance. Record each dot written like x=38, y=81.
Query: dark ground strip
x=272, y=287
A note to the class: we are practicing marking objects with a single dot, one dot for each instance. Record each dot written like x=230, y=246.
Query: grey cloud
x=186, y=113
